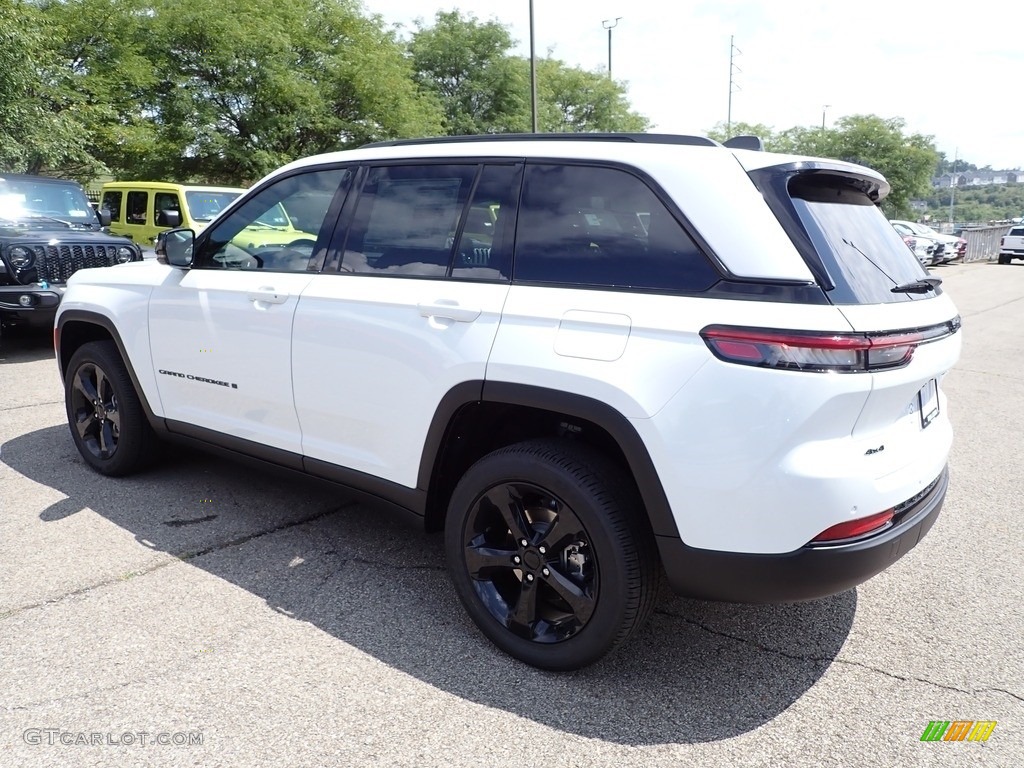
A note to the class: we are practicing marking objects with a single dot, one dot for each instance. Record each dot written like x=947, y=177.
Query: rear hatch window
x=854, y=252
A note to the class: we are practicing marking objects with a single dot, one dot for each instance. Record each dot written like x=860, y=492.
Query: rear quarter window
x=603, y=227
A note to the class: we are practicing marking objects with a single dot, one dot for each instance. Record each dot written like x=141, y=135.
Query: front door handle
x=449, y=310
x=267, y=295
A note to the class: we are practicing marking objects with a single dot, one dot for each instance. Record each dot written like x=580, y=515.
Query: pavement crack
x=31, y=405
x=833, y=660
x=1011, y=694
x=84, y=590
x=175, y=558
x=238, y=541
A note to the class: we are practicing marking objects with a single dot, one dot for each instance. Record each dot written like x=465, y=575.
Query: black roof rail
x=639, y=138
x=745, y=142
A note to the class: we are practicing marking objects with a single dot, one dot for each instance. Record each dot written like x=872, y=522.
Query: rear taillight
x=820, y=352
x=854, y=528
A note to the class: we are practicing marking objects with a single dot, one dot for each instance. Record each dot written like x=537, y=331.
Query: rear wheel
x=549, y=551
x=107, y=421
x=1004, y=259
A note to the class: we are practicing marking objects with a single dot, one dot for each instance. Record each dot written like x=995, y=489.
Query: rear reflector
x=853, y=528
x=821, y=352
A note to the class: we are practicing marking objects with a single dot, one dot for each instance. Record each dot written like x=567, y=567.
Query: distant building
x=978, y=178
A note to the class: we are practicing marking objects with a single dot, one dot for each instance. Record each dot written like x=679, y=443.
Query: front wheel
x=105, y=414
x=549, y=551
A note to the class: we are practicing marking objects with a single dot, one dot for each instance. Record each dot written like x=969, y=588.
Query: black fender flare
x=579, y=406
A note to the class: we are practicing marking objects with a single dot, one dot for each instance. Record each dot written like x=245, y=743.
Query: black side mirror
x=104, y=216
x=175, y=246
x=169, y=218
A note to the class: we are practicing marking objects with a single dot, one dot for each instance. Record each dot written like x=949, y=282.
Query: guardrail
x=983, y=242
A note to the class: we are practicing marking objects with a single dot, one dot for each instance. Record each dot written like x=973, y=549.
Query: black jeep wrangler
x=48, y=231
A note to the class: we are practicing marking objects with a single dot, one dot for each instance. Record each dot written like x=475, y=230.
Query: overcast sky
x=952, y=71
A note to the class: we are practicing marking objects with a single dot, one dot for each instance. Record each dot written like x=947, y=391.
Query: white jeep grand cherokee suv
x=589, y=359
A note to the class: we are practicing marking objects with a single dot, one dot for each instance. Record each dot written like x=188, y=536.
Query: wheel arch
x=76, y=327
x=475, y=418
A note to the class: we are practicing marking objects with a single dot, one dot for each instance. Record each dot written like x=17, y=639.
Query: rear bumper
x=808, y=573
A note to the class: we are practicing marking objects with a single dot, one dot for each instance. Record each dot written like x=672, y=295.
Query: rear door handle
x=448, y=310
x=267, y=295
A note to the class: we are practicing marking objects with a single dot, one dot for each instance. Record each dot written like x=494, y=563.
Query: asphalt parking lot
x=249, y=619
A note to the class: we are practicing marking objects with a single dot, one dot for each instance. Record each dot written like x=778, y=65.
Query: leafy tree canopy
x=907, y=161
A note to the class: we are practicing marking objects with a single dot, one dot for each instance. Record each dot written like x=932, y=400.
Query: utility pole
x=732, y=85
x=952, y=185
x=533, y=73
x=824, y=108
x=609, y=24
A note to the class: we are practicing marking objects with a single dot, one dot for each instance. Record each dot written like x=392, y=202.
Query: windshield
x=207, y=205
x=863, y=254
x=274, y=217
x=31, y=200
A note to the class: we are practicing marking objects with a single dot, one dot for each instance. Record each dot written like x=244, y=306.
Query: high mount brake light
x=821, y=352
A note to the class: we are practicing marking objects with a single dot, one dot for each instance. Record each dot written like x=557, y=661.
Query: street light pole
x=533, y=74
x=609, y=24
x=824, y=108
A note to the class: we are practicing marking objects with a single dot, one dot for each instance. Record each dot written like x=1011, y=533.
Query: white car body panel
x=373, y=357
x=222, y=354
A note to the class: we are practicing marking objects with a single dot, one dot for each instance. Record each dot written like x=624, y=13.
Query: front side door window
x=276, y=229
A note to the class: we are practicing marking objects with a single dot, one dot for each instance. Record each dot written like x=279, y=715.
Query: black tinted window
x=484, y=252
x=165, y=204
x=261, y=233
x=112, y=202
x=138, y=204
x=864, y=256
x=407, y=219
x=580, y=225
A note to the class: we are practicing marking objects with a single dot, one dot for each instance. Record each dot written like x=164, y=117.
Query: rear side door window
x=407, y=219
x=138, y=208
x=165, y=204
x=603, y=227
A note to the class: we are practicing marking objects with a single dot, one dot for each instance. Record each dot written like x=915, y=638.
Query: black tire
x=105, y=415
x=1004, y=259
x=550, y=552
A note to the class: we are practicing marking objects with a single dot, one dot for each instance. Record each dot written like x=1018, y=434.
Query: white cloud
x=947, y=72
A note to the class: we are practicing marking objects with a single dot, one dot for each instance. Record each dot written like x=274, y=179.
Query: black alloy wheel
x=105, y=415
x=550, y=552
x=96, y=417
x=529, y=557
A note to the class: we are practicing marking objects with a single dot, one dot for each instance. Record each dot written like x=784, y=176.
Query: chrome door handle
x=449, y=311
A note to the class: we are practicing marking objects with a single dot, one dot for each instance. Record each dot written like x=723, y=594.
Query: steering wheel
x=302, y=242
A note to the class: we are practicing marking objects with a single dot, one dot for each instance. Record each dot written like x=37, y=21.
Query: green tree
x=247, y=85
x=41, y=120
x=722, y=132
x=907, y=161
x=574, y=100
x=105, y=68
x=946, y=165
x=466, y=64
